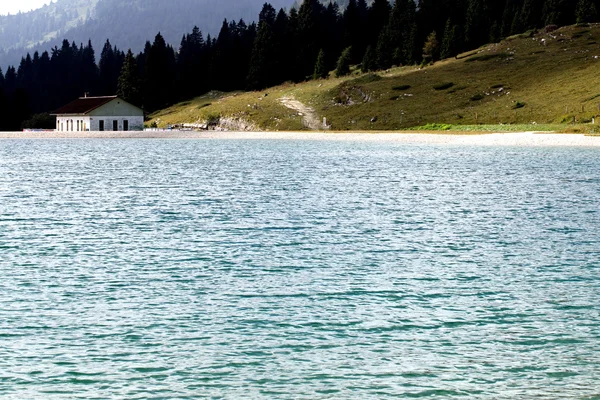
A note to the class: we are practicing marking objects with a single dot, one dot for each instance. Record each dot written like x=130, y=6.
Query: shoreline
x=441, y=138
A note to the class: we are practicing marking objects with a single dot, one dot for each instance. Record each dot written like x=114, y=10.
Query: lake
x=298, y=270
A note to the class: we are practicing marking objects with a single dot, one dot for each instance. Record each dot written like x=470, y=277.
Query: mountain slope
x=26, y=30
x=128, y=24
x=534, y=79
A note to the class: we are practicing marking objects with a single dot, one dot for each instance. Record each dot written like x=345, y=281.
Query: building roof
x=84, y=105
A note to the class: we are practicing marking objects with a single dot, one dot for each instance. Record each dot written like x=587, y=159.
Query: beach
x=487, y=139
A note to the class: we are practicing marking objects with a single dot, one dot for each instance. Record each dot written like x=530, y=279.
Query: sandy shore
x=492, y=139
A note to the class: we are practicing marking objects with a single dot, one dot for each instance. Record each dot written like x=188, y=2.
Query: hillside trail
x=309, y=117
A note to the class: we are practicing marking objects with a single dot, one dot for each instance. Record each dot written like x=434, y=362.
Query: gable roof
x=84, y=105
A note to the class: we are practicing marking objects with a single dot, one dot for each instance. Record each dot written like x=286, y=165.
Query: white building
x=108, y=113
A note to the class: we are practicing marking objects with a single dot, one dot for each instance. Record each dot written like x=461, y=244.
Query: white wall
x=69, y=124
x=135, y=123
x=86, y=124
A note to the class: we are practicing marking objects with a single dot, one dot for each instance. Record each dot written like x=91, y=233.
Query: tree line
x=305, y=43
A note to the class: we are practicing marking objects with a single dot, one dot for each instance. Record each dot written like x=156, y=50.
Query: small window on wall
x=115, y=125
x=125, y=125
x=62, y=127
x=71, y=125
x=101, y=126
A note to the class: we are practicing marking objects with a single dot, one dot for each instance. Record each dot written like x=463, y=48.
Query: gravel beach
x=492, y=139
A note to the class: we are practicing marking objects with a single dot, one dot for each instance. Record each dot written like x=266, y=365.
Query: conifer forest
x=303, y=43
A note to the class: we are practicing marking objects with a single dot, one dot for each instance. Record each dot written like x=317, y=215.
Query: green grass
x=491, y=128
x=518, y=84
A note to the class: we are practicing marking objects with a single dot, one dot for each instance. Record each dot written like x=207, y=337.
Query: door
x=126, y=125
x=115, y=125
x=101, y=126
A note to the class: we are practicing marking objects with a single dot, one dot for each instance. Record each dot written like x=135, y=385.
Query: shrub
x=487, y=57
x=401, y=87
x=566, y=119
x=40, y=121
x=443, y=86
x=518, y=104
x=435, y=127
x=457, y=88
x=213, y=120
x=477, y=97
x=366, y=79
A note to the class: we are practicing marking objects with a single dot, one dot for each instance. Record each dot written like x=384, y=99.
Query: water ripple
x=297, y=270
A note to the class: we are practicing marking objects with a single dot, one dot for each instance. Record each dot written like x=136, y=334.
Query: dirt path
x=309, y=117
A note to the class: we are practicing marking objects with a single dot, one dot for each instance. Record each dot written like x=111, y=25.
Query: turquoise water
x=298, y=270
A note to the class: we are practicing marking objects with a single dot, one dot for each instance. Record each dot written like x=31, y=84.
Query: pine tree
x=517, y=25
x=333, y=34
x=158, y=75
x=430, y=49
x=89, y=69
x=397, y=41
x=558, y=12
x=369, y=62
x=586, y=11
x=107, y=70
x=263, y=62
x=344, y=62
x=310, y=37
x=351, y=24
x=449, y=42
x=321, y=71
x=129, y=86
x=2, y=103
x=283, y=53
x=378, y=17
x=530, y=14
x=477, y=23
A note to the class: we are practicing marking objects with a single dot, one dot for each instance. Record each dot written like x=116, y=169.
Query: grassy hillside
x=546, y=81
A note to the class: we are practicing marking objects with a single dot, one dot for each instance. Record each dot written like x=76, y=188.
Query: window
x=71, y=125
x=101, y=127
x=62, y=127
x=77, y=125
x=125, y=125
x=115, y=125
